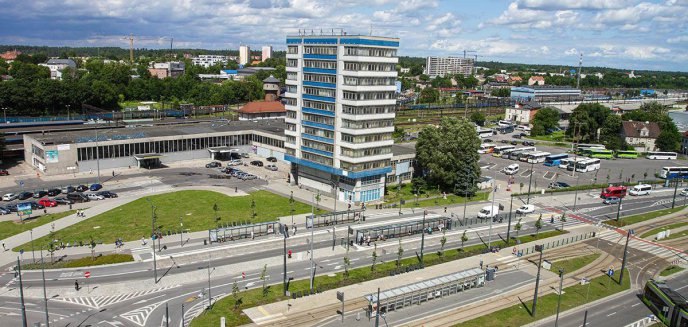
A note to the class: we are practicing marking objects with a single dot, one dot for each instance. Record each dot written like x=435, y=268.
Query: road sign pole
x=21, y=293
x=530, y=180
x=422, y=240
x=167, y=316
x=618, y=209
x=183, y=322
x=508, y=228
x=585, y=319
x=377, y=309
x=561, y=283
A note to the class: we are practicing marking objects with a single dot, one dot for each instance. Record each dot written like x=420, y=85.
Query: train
x=668, y=305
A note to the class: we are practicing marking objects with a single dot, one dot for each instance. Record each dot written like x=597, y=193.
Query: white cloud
x=544, y=49
x=571, y=52
x=573, y=4
x=678, y=39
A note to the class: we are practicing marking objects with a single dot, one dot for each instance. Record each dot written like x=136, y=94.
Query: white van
x=511, y=169
x=642, y=189
x=488, y=212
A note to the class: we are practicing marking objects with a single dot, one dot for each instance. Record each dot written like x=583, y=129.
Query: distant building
x=523, y=113
x=209, y=60
x=10, y=55
x=404, y=70
x=536, y=80
x=515, y=79
x=56, y=67
x=271, y=88
x=546, y=93
x=166, y=69
x=266, y=53
x=640, y=135
x=244, y=55
x=441, y=66
x=262, y=110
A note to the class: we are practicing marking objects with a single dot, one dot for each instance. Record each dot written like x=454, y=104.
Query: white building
x=340, y=101
x=56, y=67
x=244, y=55
x=266, y=53
x=440, y=66
x=209, y=60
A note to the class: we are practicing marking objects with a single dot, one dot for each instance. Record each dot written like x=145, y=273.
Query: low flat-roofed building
x=545, y=92
x=403, y=156
x=262, y=110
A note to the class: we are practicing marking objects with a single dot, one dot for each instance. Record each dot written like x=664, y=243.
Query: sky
x=628, y=34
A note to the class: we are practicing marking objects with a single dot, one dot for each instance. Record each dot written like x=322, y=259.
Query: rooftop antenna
x=371, y=30
x=580, y=67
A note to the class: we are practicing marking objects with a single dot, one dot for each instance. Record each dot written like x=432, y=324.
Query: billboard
x=51, y=156
x=24, y=209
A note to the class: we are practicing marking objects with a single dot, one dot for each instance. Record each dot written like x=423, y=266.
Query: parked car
x=528, y=143
x=235, y=162
x=505, y=141
x=47, y=202
x=67, y=189
x=107, y=194
x=525, y=209
x=10, y=197
x=63, y=200
x=514, y=142
x=611, y=200
x=4, y=172
x=81, y=188
x=77, y=197
x=271, y=159
x=271, y=167
x=213, y=164
x=25, y=195
x=557, y=185
x=5, y=210
x=257, y=163
x=95, y=187
x=511, y=169
x=54, y=192
x=488, y=141
x=684, y=192
x=40, y=194
x=12, y=208
x=244, y=155
x=516, y=136
x=94, y=196
x=35, y=205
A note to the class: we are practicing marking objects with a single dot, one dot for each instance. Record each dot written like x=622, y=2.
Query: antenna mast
x=580, y=67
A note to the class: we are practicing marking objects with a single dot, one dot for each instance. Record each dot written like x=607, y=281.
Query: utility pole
x=623, y=262
x=155, y=264
x=561, y=283
x=183, y=320
x=530, y=180
x=422, y=241
x=181, y=232
x=508, y=228
x=575, y=198
x=537, y=280
x=209, y=296
x=285, y=230
x=673, y=202
x=618, y=209
x=492, y=211
x=21, y=294
x=45, y=293
x=312, y=227
x=377, y=311
x=167, y=315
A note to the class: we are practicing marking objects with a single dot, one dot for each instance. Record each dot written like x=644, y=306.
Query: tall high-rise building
x=340, y=101
x=267, y=52
x=244, y=55
x=440, y=66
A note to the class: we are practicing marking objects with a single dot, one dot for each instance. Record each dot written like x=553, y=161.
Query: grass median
x=659, y=229
x=573, y=264
x=255, y=297
x=573, y=296
x=630, y=220
x=195, y=209
x=11, y=228
x=81, y=262
x=671, y=270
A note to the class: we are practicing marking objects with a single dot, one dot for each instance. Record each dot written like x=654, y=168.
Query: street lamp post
x=492, y=211
x=4, y=113
x=181, y=232
x=575, y=197
x=561, y=283
x=422, y=239
x=68, y=116
x=530, y=180
x=673, y=202
x=45, y=294
x=285, y=231
x=97, y=156
x=623, y=262
x=508, y=228
x=537, y=280
x=618, y=209
x=209, y=296
x=21, y=293
x=155, y=264
x=33, y=253
x=312, y=228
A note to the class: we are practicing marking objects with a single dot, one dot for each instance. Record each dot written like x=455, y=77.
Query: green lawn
x=659, y=229
x=630, y=220
x=573, y=264
x=670, y=270
x=82, y=262
x=254, y=297
x=451, y=199
x=554, y=137
x=676, y=235
x=133, y=220
x=10, y=228
x=572, y=297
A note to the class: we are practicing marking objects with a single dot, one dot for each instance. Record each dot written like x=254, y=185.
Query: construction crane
x=468, y=51
x=131, y=39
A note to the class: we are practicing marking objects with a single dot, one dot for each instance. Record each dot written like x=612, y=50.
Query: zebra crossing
x=643, y=245
x=140, y=315
x=197, y=309
x=142, y=253
x=103, y=301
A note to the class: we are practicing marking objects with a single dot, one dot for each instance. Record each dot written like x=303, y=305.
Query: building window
x=369, y=81
x=320, y=78
x=370, y=52
x=316, y=158
x=291, y=114
x=319, y=92
x=318, y=105
x=291, y=88
x=358, y=96
x=369, y=66
x=291, y=127
x=292, y=49
x=289, y=101
x=368, y=110
x=318, y=145
x=320, y=50
x=318, y=132
x=292, y=76
x=365, y=124
x=292, y=63
x=370, y=180
x=319, y=119
x=356, y=139
x=359, y=153
x=365, y=165
x=320, y=64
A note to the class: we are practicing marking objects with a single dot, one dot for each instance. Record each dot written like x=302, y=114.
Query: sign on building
x=51, y=156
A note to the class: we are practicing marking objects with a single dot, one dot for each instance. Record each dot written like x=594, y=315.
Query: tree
x=400, y=252
x=347, y=263
x=464, y=239
x=610, y=134
x=443, y=241
x=215, y=210
x=374, y=255
x=429, y=95
x=668, y=141
x=92, y=244
x=538, y=226
x=235, y=295
x=501, y=92
x=292, y=202
x=518, y=227
x=545, y=119
x=263, y=278
x=478, y=118
x=585, y=120
x=563, y=220
x=448, y=155
x=398, y=133
x=416, y=70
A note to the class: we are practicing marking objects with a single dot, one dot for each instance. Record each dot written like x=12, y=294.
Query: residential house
x=523, y=112
x=166, y=69
x=641, y=135
x=57, y=66
x=536, y=80
x=10, y=55
x=262, y=110
x=515, y=79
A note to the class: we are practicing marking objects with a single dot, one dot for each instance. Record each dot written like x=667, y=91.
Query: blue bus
x=555, y=159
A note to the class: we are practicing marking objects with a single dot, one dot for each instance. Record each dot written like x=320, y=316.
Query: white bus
x=497, y=152
x=523, y=156
x=588, y=165
x=673, y=172
x=584, y=146
x=486, y=148
x=662, y=155
x=505, y=123
x=538, y=157
x=514, y=155
x=505, y=153
x=485, y=133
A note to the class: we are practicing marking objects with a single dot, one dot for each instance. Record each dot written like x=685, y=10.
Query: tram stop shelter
x=417, y=293
x=230, y=233
x=148, y=160
x=224, y=153
x=334, y=218
x=403, y=229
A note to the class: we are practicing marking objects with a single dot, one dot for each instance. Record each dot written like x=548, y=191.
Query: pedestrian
x=252, y=236
x=143, y=241
x=3, y=246
x=70, y=206
x=45, y=211
x=113, y=173
x=481, y=263
x=76, y=285
x=90, y=171
x=445, y=209
x=236, y=189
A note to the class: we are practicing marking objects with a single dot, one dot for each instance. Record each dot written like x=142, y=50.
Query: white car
x=94, y=196
x=684, y=192
x=235, y=162
x=511, y=169
x=526, y=208
x=271, y=167
x=10, y=197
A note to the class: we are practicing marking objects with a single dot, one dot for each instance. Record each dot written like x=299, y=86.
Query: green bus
x=600, y=153
x=627, y=154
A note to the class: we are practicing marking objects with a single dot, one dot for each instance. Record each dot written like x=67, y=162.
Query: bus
x=662, y=155
x=505, y=153
x=523, y=156
x=600, y=153
x=667, y=304
x=571, y=162
x=588, y=165
x=614, y=191
x=537, y=157
x=497, y=151
x=584, y=146
x=485, y=133
x=486, y=148
x=514, y=155
x=555, y=159
x=673, y=172
x=627, y=154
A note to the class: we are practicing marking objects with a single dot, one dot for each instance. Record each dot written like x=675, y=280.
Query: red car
x=47, y=202
x=4, y=172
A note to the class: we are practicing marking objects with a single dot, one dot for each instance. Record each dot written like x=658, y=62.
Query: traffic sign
x=243, y=275
x=87, y=274
x=610, y=272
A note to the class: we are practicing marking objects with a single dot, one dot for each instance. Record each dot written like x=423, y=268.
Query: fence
x=222, y=234
x=557, y=243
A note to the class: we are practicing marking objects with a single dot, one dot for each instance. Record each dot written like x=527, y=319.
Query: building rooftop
x=256, y=107
x=633, y=129
x=68, y=62
x=404, y=149
x=176, y=127
x=271, y=79
x=545, y=87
